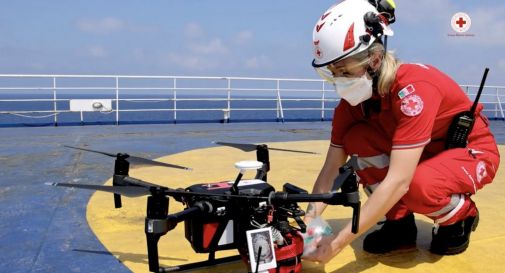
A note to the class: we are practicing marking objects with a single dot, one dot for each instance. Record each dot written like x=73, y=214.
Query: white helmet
x=348, y=28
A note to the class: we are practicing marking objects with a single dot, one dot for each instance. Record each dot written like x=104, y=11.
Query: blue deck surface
x=44, y=229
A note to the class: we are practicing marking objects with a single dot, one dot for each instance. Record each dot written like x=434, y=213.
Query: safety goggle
x=339, y=73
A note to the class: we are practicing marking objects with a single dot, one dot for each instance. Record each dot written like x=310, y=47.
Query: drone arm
x=348, y=199
x=162, y=226
x=332, y=198
x=197, y=208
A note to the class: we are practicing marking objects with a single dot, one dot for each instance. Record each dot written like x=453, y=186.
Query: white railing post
x=228, y=103
x=117, y=100
x=277, y=111
x=55, y=103
x=279, y=102
x=175, y=100
x=499, y=103
x=323, y=97
x=496, y=105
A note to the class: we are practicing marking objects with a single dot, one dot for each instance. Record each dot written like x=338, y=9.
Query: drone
x=217, y=216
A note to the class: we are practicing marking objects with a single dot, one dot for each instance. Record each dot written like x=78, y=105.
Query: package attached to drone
x=287, y=255
x=316, y=229
x=261, y=249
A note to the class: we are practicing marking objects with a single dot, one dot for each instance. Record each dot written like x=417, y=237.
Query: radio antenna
x=474, y=106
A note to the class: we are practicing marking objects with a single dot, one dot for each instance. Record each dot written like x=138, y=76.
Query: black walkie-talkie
x=462, y=124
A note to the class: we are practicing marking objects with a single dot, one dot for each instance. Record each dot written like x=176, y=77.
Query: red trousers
x=441, y=186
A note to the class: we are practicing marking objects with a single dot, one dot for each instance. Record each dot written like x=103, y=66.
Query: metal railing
x=51, y=96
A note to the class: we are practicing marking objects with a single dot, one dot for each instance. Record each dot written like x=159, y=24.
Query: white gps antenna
x=243, y=166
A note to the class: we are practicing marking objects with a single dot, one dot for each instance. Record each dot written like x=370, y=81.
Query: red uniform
x=416, y=113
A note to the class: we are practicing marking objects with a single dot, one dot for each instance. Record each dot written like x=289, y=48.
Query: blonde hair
x=388, y=68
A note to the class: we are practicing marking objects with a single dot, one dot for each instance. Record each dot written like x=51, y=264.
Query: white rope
x=27, y=116
x=106, y=111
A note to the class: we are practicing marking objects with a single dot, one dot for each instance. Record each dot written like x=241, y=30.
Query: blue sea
x=152, y=115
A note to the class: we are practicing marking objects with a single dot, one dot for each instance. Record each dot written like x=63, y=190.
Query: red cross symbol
x=412, y=104
x=461, y=22
x=482, y=172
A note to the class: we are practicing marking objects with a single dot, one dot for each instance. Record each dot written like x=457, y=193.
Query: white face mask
x=354, y=90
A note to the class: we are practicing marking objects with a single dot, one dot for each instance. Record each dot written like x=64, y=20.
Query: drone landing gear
x=158, y=223
x=156, y=226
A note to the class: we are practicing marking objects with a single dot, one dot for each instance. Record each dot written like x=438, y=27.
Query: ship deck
x=47, y=229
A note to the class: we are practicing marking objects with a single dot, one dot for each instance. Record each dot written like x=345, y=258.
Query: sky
x=261, y=38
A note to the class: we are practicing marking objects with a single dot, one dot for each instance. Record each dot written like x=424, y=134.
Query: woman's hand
x=327, y=247
x=307, y=219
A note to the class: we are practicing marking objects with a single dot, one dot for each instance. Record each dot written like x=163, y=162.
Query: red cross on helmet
x=342, y=32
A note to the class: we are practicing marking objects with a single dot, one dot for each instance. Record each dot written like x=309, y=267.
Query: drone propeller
x=133, y=159
x=130, y=191
x=138, y=190
x=252, y=147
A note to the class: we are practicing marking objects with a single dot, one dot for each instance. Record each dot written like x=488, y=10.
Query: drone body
x=215, y=230
x=218, y=215
x=226, y=226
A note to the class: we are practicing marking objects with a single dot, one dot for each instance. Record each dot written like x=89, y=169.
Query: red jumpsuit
x=416, y=113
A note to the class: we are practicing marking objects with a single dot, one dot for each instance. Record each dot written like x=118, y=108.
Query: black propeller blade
x=138, y=191
x=252, y=147
x=130, y=191
x=133, y=159
x=144, y=161
x=241, y=146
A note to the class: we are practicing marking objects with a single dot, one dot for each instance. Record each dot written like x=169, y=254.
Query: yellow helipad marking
x=122, y=230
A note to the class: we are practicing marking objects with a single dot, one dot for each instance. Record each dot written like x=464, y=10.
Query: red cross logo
x=481, y=171
x=412, y=105
x=461, y=22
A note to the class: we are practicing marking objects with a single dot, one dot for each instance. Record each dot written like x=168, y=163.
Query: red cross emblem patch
x=461, y=22
x=481, y=171
x=412, y=105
